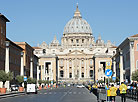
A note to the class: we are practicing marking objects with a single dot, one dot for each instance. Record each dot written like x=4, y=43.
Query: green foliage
x=5, y=76
x=20, y=79
x=40, y=81
x=31, y=81
x=100, y=81
x=135, y=76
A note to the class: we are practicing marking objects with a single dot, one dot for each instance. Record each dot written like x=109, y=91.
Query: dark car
x=14, y=87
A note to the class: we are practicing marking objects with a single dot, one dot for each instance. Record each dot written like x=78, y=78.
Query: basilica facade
x=79, y=58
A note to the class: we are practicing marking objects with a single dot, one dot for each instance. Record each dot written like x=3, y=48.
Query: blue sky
x=35, y=21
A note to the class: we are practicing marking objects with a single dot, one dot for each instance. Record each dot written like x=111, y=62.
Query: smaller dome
x=99, y=41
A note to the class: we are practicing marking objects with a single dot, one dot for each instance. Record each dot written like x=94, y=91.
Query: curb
x=11, y=94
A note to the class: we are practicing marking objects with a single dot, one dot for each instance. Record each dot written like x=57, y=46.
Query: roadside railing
x=101, y=94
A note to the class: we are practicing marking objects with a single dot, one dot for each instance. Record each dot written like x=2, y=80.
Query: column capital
x=22, y=53
x=7, y=43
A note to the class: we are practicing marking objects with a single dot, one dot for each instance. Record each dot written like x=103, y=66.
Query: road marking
x=54, y=92
x=64, y=95
x=45, y=93
x=79, y=92
x=74, y=92
x=50, y=92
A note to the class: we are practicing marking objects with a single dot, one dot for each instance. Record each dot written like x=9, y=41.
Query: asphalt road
x=68, y=94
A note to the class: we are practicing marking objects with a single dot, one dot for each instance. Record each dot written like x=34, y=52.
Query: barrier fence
x=101, y=94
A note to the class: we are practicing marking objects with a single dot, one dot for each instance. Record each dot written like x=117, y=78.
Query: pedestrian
x=107, y=92
x=123, y=89
x=113, y=93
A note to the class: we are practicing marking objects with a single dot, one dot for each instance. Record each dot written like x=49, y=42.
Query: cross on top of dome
x=77, y=12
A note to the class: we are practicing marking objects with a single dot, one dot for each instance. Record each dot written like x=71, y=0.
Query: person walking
x=107, y=92
x=123, y=89
x=113, y=93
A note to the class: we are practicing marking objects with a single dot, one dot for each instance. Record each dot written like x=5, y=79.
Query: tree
x=135, y=76
x=20, y=79
x=5, y=77
x=31, y=81
x=40, y=82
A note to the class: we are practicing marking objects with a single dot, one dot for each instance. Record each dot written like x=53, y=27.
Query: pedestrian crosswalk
x=45, y=93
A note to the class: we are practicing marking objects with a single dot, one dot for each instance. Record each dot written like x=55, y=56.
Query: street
x=68, y=94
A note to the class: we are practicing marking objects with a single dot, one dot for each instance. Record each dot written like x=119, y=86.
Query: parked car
x=14, y=87
x=80, y=86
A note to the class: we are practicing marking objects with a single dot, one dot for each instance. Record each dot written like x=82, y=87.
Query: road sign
x=108, y=72
x=113, y=78
x=108, y=65
x=25, y=78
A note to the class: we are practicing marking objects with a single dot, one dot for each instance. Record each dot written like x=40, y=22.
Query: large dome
x=77, y=25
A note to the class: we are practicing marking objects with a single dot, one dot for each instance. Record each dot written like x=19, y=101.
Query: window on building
x=69, y=50
x=70, y=62
x=82, y=75
x=61, y=62
x=137, y=47
x=82, y=62
x=53, y=51
x=90, y=62
x=61, y=73
x=81, y=50
x=72, y=40
x=70, y=67
x=77, y=40
x=82, y=67
x=91, y=73
x=70, y=75
x=137, y=64
x=82, y=40
x=44, y=50
x=1, y=30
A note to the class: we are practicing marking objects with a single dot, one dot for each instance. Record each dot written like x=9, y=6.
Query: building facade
x=3, y=21
x=28, y=58
x=126, y=58
x=78, y=58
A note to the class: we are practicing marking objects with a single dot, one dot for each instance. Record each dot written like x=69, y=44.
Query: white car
x=80, y=86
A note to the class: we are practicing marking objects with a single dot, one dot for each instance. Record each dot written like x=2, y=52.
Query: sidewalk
x=11, y=94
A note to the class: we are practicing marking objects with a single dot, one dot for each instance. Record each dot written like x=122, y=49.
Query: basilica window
x=70, y=62
x=77, y=40
x=72, y=40
x=69, y=50
x=91, y=73
x=61, y=73
x=82, y=40
x=82, y=62
x=70, y=75
x=44, y=51
x=90, y=62
x=82, y=75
